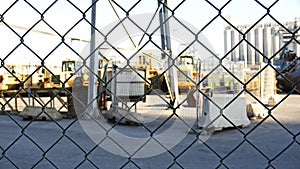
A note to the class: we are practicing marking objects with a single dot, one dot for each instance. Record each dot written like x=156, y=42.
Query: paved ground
x=43, y=144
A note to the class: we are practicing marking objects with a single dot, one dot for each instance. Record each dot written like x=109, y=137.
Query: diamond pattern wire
x=74, y=149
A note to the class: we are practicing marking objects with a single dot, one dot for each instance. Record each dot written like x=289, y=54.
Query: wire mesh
x=80, y=138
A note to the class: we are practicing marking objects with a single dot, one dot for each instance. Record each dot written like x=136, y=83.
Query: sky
x=62, y=16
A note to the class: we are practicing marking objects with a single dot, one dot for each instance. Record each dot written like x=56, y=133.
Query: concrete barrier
x=37, y=113
x=214, y=118
x=256, y=110
x=122, y=116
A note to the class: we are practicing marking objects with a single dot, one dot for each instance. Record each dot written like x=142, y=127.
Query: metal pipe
x=166, y=46
x=93, y=64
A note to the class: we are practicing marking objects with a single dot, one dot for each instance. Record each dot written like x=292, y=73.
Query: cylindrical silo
x=234, y=42
x=227, y=40
x=267, y=42
x=250, y=49
x=259, y=44
x=242, y=49
x=275, y=41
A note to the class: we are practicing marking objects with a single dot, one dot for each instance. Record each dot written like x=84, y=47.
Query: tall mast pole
x=93, y=65
x=172, y=77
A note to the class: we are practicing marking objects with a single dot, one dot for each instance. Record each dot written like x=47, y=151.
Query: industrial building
x=250, y=43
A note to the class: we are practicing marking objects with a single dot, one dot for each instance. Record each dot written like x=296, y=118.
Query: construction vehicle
x=34, y=76
x=70, y=70
x=289, y=72
x=11, y=79
x=17, y=76
x=145, y=61
x=187, y=72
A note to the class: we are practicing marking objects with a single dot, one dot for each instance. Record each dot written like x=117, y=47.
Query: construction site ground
x=269, y=140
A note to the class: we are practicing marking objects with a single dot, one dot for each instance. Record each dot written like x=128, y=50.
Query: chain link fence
x=145, y=91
